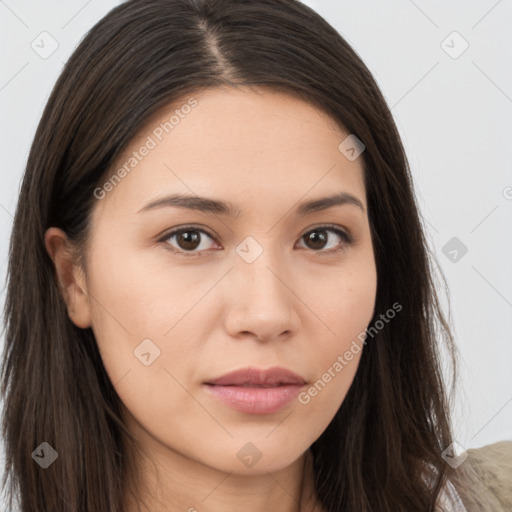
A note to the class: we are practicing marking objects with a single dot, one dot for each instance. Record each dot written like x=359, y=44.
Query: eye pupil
x=187, y=241
x=317, y=236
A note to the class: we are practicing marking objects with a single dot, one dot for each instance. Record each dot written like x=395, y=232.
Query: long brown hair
x=140, y=57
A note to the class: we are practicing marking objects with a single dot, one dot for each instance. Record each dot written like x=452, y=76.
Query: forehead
x=241, y=145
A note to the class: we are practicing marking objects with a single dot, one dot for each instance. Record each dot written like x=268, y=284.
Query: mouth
x=256, y=391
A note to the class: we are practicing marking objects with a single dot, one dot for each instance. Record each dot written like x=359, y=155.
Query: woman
x=220, y=295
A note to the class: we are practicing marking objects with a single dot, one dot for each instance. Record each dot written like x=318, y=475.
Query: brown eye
x=187, y=240
x=318, y=238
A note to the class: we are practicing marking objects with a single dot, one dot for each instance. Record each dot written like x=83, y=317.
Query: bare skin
x=298, y=305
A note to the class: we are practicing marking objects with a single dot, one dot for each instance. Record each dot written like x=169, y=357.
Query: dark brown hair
x=140, y=57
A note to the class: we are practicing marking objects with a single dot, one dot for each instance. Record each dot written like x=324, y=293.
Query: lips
x=258, y=378
x=256, y=391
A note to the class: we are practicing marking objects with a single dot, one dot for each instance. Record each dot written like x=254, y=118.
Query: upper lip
x=254, y=376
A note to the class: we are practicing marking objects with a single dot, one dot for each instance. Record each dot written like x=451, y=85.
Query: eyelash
x=348, y=239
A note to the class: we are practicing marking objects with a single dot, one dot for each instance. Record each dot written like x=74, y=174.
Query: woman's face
x=273, y=286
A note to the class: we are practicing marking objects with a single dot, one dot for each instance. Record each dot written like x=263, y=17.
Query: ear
x=70, y=276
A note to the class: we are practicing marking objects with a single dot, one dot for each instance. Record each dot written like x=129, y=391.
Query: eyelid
x=187, y=227
x=343, y=233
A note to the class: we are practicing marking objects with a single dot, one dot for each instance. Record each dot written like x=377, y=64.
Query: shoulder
x=483, y=480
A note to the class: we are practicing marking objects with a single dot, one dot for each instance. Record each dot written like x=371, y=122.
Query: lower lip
x=255, y=400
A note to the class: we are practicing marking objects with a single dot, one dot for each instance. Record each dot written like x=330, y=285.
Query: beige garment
x=484, y=479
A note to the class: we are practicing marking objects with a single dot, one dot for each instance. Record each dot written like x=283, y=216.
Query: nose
x=261, y=303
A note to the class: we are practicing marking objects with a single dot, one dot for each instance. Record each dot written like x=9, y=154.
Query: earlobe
x=70, y=277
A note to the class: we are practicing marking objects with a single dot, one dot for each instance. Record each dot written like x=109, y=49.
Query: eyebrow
x=207, y=205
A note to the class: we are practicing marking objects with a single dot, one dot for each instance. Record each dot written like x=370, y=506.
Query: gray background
x=453, y=113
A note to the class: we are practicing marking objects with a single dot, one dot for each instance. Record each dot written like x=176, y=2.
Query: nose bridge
x=258, y=266
x=260, y=301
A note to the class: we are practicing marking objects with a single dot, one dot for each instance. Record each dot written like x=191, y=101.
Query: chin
x=254, y=458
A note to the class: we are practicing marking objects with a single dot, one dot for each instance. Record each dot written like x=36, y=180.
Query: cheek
x=346, y=307
x=146, y=321
x=335, y=364
x=128, y=297
x=143, y=291
x=345, y=301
